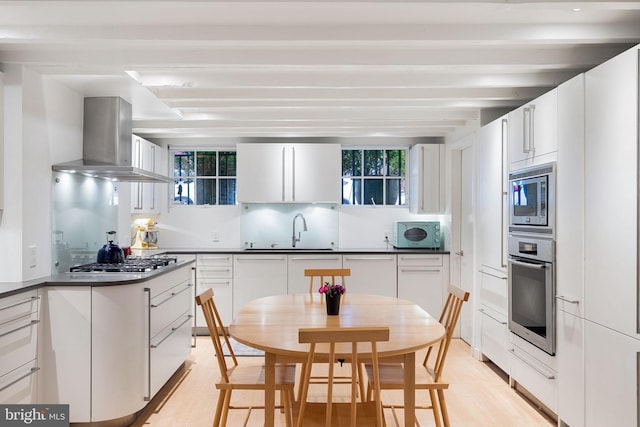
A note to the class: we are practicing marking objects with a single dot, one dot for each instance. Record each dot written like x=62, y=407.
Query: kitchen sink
x=289, y=249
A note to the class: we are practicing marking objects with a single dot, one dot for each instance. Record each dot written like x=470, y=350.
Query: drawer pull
x=315, y=259
x=369, y=259
x=31, y=372
x=420, y=270
x=26, y=301
x=535, y=368
x=261, y=259
x=173, y=295
x=189, y=317
x=502, y=322
x=426, y=258
x=565, y=299
x=28, y=325
x=493, y=275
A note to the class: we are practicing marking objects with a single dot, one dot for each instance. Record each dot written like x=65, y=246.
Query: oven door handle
x=527, y=264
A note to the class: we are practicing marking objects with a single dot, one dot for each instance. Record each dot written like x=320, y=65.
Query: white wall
x=43, y=124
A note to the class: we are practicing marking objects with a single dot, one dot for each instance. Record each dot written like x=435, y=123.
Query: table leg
x=409, y=389
x=270, y=389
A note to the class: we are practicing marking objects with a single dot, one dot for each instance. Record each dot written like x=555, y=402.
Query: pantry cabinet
x=571, y=378
x=257, y=276
x=426, y=180
x=611, y=194
x=145, y=196
x=372, y=274
x=276, y=173
x=297, y=282
x=533, y=137
x=19, y=365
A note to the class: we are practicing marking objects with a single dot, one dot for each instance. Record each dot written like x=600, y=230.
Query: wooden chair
x=327, y=273
x=240, y=377
x=354, y=413
x=392, y=374
x=323, y=275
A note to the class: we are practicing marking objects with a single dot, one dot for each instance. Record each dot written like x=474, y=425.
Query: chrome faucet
x=304, y=228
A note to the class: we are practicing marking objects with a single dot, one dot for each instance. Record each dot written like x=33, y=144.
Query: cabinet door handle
x=25, y=301
x=28, y=325
x=492, y=275
x=460, y=252
x=503, y=174
x=421, y=196
x=314, y=259
x=31, y=372
x=502, y=322
x=426, y=258
x=293, y=173
x=420, y=270
x=148, y=307
x=260, y=259
x=173, y=295
x=369, y=259
x=528, y=143
x=535, y=368
x=173, y=330
x=565, y=299
x=283, y=171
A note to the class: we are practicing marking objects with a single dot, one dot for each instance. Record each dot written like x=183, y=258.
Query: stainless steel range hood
x=106, y=145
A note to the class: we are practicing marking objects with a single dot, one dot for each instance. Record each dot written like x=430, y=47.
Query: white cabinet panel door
x=257, y=276
x=261, y=174
x=297, y=282
x=317, y=172
x=570, y=354
x=426, y=178
x=421, y=279
x=372, y=274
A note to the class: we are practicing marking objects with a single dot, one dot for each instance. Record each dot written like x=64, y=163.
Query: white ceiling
x=314, y=68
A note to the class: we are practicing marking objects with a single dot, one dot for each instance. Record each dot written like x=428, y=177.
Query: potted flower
x=332, y=293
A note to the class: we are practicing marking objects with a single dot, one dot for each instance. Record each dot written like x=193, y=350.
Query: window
x=206, y=177
x=374, y=177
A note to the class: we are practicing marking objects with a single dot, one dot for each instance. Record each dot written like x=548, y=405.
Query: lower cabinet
x=372, y=274
x=257, y=276
x=297, y=283
x=215, y=271
x=494, y=337
x=423, y=279
x=611, y=377
x=570, y=355
x=107, y=350
x=19, y=364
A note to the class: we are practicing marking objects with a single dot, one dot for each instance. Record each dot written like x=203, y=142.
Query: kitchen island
x=107, y=342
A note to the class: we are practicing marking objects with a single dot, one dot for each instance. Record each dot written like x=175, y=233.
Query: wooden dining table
x=271, y=324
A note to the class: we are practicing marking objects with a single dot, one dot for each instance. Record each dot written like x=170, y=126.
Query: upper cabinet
x=274, y=172
x=426, y=184
x=533, y=132
x=145, y=196
x=1, y=145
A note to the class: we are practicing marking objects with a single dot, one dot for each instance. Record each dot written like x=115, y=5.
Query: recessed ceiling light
x=576, y=9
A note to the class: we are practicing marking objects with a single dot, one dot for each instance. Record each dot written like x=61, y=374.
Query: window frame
x=385, y=177
x=217, y=178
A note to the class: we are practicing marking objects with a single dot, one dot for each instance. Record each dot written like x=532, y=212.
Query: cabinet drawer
x=169, y=280
x=18, y=342
x=494, y=291
x=168, y=306
x=204, y=284
x=19, y=385
x=17, y=306
x=214, y=260
x=169, y=349
x=205, y=272
x=420, y=260
x=538, y=379
x=494, y=338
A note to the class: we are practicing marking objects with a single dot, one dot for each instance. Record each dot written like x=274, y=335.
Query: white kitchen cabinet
x=492, y=180
x=257, y=276
x=19, y=318
x=297, y=282
x=570, y=200
x=494, y=337
x=145, y=196
x=611, y=377
x=611, y=194
x=372, y=274
x=215, y=271
x=534, y=370
x=571, y=373
x=423, y=279
x=2, y=157
x=274, y=172
x=533, y=137
x=426, y=180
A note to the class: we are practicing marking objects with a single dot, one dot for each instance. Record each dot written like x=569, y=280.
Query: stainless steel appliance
x=129, y=265
x=417, y=234
x=532, y=290
x=531, y=202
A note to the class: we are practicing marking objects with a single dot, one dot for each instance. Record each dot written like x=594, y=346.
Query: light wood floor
x=478, y=395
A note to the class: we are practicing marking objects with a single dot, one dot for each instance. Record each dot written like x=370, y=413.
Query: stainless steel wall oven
x=532, y=290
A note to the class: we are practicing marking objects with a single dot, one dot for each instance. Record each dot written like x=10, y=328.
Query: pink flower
x=331, y=290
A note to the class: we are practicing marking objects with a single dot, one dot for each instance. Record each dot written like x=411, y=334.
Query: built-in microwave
x=531, y=206
x=417, y=234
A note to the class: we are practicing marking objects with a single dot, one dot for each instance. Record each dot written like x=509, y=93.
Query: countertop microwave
x=417, y=234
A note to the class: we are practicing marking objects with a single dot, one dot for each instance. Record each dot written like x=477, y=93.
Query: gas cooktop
x=130, y=265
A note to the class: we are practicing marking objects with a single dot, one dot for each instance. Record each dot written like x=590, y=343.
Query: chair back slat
x=448, y=319
x=322, y=273
x=216, y=330
x=332, y=336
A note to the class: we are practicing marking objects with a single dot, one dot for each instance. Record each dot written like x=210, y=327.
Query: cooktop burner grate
x=130, y=265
